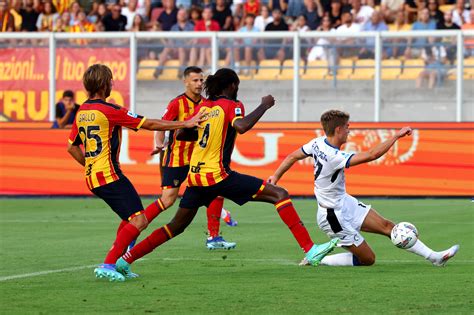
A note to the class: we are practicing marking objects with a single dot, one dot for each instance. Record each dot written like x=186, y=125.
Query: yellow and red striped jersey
x=210, y=161
x=98, y=127
x=178, y=153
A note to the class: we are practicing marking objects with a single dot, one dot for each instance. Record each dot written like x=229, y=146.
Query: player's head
x=97, y=81
x=193, y=80
x=336, y=124
x=224, y=82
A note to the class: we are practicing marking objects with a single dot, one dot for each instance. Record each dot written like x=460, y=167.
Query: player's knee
x=281, y=193
x=168, y=201
x=140, y=222
x=367, y=260
x=388, y=226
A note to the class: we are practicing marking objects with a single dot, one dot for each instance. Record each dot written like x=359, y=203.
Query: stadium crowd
x=256, y=16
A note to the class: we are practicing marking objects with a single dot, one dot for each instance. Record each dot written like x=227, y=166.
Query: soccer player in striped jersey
x=339, y=214
x=177, y=154
x=98, y=128
x=210, y=174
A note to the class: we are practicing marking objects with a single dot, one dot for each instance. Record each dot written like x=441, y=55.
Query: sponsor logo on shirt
x=238, y=111
x=133, y=115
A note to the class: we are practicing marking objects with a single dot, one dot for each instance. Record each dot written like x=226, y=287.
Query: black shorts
x=237, y=187
x=121, y=196
x=173, y=177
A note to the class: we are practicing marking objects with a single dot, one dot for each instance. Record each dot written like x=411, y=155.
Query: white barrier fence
x=294, y=37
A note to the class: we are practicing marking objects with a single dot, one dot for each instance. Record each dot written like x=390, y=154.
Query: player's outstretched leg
x=284, y=206
x=375, y=223
x=214, y=241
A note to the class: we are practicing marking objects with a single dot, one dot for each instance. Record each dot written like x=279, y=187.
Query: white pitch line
x=279, y=261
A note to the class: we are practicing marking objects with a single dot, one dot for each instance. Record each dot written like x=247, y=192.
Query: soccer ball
x=404, y=235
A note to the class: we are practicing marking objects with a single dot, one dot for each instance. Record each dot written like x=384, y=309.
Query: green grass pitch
x=48, y=247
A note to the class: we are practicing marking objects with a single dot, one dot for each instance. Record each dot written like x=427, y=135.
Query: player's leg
x=361, y=255
x=215, y=241
x=242, y=188
x=171, y=180
x=226, y=216
x=375, y=223
x=193, y=198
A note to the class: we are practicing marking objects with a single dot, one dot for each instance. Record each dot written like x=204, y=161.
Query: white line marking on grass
x=278, y=261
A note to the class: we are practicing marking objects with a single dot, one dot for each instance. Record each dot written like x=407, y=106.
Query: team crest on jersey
x=129, y=113
x=238, y=111
x=176, y=182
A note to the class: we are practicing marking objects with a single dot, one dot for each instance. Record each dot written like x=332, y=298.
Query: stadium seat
x=146, y=69
x=347, y=67
x=391, y=69
x=170, y=70
x=411, y=69
x=287, y=70
x=469, y=68
x=446, y=7
x=247, y=74
x=268, y=70
x=316, y=70
x=364, y=70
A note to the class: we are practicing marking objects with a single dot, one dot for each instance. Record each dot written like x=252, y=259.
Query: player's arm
x=159, y=142
x=286, y=165
x=245, y=124
x=76, y=153
x=379, y=150
x=158, y=124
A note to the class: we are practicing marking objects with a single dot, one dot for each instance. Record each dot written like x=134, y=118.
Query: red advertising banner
x=437, y=160
x=24, y=78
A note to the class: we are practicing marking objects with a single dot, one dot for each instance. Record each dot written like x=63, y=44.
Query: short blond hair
x=333, y=118
x=97, y=79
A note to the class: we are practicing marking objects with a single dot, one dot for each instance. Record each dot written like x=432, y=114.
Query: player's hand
x=272, y=180
x=405, y=131
x=268, y=101
x=196, y=120
x=158, y=149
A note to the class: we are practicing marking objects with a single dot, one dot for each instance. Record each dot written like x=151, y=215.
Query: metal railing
x=215, y=37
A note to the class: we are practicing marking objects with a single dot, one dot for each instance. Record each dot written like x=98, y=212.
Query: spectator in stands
x=47, y=18
x=448, y=23
x=99, y=14
x=273, y=48
x=61, y=5
x=313, y=12
x=435, y=13
x=195, y=15
x=469, y=41
x=207, y=24
x=335, y=13
x=377, y=24
x=281, y=5
x=295, y=8
x=423, y=24
x=178, y=49
x=435, y=58
x=15, y=12
x=82, y=25
x=138, y=24
x=323, y=49
x=7, y=21
x=390, y=8
x=168, y=17
x=62, y=24
x=223, y=15
x=129, y=12
x=115, y=21
x=66, y=110
x=300, y=24
x=184, y=4
x=450, y=41
x=411, y=10
x=263, y=19
x=74, y=9
x=143, y=8
x=248, y=48
x=92, y=14
x=461, y=14
x=347, y=46
x=361, y=13
x=251, y=7
x=397, y=46
x=29, y=17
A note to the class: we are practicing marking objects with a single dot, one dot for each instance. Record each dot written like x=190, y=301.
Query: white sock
x=342, y=259
x=421, y=249
x=223, y=213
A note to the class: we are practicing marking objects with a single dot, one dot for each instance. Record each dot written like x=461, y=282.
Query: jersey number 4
x=205, y=136
x=91, y=135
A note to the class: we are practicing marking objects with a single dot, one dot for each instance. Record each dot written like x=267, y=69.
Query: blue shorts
x=121, y=196
x=237, y=187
